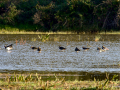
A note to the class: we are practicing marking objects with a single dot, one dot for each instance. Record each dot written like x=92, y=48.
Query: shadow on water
x=84, y=65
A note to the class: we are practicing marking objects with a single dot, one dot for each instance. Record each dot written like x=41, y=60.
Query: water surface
x=84, y=63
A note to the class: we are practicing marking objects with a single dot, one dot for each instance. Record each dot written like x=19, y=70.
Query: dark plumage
x=39, y=49
x=76, y=49
x=34, y=48
x=8, y=47
x=61, y=48
x=85, y=48
x=100, y=50
x=104, y=48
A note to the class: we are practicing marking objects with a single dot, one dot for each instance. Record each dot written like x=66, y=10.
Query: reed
x=56, y=38
x=97, y=37
x=33, y=39
x=43, y=38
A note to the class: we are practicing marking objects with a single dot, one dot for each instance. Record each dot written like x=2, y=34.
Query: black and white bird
x=8, y=47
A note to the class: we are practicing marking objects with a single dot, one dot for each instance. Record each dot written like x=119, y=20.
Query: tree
x=106, y=13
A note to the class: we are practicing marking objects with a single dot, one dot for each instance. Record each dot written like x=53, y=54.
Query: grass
x=33, y=29
x=16, y=31
x=28, y=29
x=43, y=38
x=36, y=82
x=31, y=32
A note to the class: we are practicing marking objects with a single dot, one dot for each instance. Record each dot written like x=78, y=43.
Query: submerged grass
x=36, y=82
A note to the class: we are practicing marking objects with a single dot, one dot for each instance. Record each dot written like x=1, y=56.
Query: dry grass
x=16, y=31
x=30, y=32
x=35, y=81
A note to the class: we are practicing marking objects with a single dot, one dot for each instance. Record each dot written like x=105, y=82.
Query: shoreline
x=58, y=32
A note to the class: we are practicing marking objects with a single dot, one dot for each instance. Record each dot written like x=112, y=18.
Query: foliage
x=106, y=13
x=9, y=16
x=57, y=15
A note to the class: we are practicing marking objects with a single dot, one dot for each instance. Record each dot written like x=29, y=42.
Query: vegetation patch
x=35, y=81
x=65, y=15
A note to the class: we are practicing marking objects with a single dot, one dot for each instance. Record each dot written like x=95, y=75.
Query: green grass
x=36, y=82
x=36, y=29
x=3, y=31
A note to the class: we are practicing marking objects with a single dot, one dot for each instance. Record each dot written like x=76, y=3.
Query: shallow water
x=84, y=63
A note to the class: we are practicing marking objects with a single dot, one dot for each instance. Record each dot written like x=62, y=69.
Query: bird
x=100, y=50
x=76, y=49
x=39, y=49
x=104, y=48
x=62, y=48
x=34, y=48
x=8, y=47
x=85, y=48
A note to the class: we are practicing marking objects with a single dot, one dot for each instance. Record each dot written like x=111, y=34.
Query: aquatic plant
x=79, y=37
x=22, y=42
x=97, y=37
x=56, y=38
x=43, y=38
x=33, y=39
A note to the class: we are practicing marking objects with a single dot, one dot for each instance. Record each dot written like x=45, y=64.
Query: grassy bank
x=36, y=81
x=33, y=29
x=3, y=31
x=31, y=32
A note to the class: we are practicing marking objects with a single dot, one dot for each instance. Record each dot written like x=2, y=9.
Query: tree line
x=61, y=15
